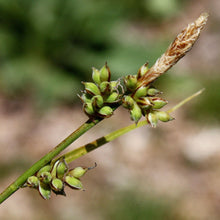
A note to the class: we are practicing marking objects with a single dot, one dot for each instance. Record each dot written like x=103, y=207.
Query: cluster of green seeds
x=143, y=100
x=100, y=98
x=101, y=95
x=54, y=178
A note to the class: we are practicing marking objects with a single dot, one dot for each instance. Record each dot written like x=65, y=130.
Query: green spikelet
x=73, y=182
x=78, y=172
x=96, y=76
x=152, y=119
x=130, y=82
x=44, y=190
x=135, y=113
x=32, y=182
x=105, y=74
x=105, y=112
x=91, y=88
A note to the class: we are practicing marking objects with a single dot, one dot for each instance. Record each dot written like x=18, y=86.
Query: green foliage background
x=48, y=47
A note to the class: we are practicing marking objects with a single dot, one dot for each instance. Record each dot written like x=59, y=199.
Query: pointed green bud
x=62, y=168
x=57, y=185
x=114, y=85
x=152, y=119
x=45, y=177
x=91, y=88
x=73, y=182
x=44, y=190
x=88, y=109
x=105, y=112
x=105, y=74
x=96, y=76
x=105, y=87
x=33, y=182
x=142, y=71
x=113, y=97
x=144, y=103
x=135, y=113
x=128, y=102
x=54, y=169
x=77, y=172
x=130, y=82
x=140, y=92
x=158, y=102
x=164, y=116
x=46, y=168
x=153, y=91
x=86, y=98
x=97, y=101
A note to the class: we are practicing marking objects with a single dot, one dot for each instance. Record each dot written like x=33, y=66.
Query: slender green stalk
x=72, y=155
x=79, y=152
x=185, y=101
x=180, y=46
x=46, y=159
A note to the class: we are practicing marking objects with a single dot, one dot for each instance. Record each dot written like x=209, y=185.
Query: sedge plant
x=100, y=99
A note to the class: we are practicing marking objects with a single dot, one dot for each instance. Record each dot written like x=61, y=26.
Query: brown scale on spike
x=177, y=49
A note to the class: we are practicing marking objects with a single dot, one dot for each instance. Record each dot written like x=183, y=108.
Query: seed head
x=177, y=49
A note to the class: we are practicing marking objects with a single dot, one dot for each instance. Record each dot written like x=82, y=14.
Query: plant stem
x=79, y=152
x=46, y=159
x=185, y=100
x=72, y=155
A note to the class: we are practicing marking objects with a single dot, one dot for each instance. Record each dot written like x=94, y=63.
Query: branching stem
x=69, y=157
x=81, y=151
x=46, y=159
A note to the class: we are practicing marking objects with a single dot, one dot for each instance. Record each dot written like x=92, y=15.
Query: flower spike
x=180, y=46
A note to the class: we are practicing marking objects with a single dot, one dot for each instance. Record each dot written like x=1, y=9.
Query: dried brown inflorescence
x=177, y=49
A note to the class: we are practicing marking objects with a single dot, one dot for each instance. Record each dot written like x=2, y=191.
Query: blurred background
x=47, y=47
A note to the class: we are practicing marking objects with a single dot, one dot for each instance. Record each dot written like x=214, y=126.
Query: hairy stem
x=46, y=159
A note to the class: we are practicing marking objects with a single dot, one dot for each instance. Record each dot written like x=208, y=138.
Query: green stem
x=185, y=100
x=79, y=152
x=69, y=157
x=46, y=159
